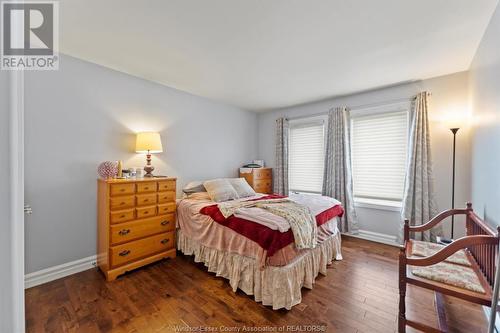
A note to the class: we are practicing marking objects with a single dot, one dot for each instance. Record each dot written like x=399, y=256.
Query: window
x=306, y=155
x=379, y=149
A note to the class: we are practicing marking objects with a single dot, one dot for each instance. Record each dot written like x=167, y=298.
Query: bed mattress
x=204, y=230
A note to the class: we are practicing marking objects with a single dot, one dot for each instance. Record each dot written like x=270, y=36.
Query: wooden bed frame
x=481, y=248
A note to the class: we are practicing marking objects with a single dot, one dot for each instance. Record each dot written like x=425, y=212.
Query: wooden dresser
x=261, y=179
x=136, y=223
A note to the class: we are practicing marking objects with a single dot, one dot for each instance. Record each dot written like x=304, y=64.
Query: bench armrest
x=434, y=221
x=452, y=248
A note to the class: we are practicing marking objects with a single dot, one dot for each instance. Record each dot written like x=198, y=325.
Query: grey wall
x=449, y=99
x=485, y=97
x=84, y=114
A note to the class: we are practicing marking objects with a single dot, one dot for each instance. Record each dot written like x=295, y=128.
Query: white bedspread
x=316, y=203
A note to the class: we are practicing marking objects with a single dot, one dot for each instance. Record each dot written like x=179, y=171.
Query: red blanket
x=268, y=239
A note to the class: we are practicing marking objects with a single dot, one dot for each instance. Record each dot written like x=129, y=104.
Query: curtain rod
x=362, y=106
x=311, y=115
x=369, y=105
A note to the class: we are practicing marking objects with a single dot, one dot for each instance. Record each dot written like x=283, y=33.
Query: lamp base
x=149, y=171
x=148, y=168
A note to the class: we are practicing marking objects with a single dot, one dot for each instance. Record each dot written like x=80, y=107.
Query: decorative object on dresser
x=107, y=169
x=259, y=162
x=136, y=223
x=261, y=179
x=148, y=143
x=120, y=170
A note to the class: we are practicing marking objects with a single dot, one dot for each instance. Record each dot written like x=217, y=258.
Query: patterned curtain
x=419, y=204
x=281, y=167
x=337, y=179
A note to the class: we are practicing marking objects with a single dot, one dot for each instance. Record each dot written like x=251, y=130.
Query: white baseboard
x=59, y=271
x=487, y=311
x=376, y=237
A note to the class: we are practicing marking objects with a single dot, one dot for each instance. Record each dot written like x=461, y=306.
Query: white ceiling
x=264, y=54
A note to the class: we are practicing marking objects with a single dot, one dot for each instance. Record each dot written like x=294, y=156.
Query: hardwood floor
x=359, y=294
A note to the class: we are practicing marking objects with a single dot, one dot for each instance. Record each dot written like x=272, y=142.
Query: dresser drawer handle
x=122, y=216
x=146, y=200
x=122, y=203
x=164, y=222
x=146, y=188
x=124, y=253
x=122, y=190
x=165, y=241
x=124, y=232
x=146, y=212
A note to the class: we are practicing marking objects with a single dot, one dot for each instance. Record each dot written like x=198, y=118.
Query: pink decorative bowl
x=107, y=169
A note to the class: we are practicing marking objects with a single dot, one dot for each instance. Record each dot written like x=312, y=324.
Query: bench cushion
x=452, y=274
x=426, y=249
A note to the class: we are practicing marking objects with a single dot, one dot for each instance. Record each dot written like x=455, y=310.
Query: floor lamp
x=454, y=131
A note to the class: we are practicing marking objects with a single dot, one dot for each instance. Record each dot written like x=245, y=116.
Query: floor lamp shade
x=149, y=143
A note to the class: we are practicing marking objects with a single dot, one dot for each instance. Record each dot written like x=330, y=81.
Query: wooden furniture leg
x=402, y=292
x=442, y=323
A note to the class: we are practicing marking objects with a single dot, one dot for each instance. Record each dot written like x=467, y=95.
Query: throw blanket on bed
x=270, y=240
x=302, y=222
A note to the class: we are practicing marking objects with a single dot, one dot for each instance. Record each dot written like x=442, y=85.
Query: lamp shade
x=454, y=123
x=148, y=142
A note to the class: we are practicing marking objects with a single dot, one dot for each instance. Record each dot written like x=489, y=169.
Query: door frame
x=16, y=177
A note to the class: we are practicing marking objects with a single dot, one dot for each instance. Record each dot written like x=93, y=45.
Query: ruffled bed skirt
x=279, y=287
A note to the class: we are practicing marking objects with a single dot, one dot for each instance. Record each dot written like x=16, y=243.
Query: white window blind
x=379, y=149
x=306, y=156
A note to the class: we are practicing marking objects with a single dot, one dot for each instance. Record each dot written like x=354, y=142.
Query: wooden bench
x=480, y=247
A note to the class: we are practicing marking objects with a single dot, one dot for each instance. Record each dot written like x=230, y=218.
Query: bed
x=254, y=258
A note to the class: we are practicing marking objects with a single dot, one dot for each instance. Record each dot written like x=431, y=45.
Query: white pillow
x=220, y=190
x=194, y=187
x=242, y=188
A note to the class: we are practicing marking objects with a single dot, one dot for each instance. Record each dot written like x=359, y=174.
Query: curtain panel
x=419, y=204
x=337, y=179
x=281, y=163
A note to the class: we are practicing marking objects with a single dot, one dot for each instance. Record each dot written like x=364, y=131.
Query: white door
x=12, y=202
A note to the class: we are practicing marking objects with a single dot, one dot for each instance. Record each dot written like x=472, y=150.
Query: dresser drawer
x=146, y=199
x=125, y=232
x=121, y=202
x=166, y=208
x=122, y=189
x=147, y=211
x=166, y=197
x=167, y=185
x=264, y=190
x=122, y=254
x=122, y=215
x=146, y=187
x=262, y=174
x=168, y=222
x=263, y=186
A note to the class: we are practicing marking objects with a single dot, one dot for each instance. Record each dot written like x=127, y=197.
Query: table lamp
x=148, y=143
